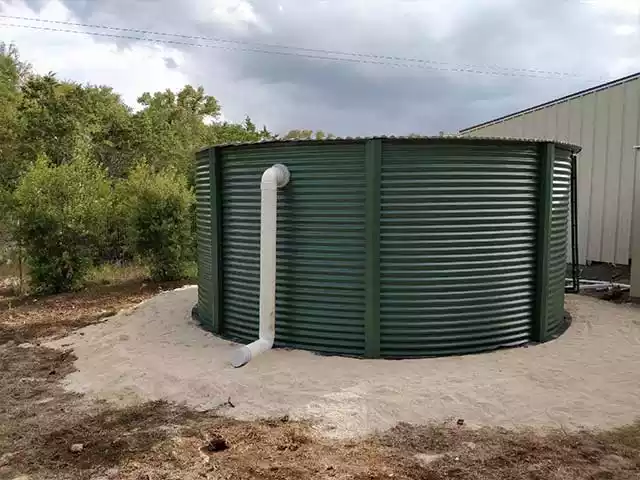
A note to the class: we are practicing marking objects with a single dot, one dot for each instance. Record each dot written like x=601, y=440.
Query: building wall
x=606, y=123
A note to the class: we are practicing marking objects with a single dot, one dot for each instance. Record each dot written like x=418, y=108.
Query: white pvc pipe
x=598, y=283
x=273, y=178
x=598, y=287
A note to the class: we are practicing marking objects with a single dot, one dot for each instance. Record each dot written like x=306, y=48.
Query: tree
x=51, y=124
x=60, y=216
x=13, y=73
x=246, y=131
x=63, y=120
x=54, y=133
x=109, y=128
x=307, y=135
x=22, y=68
x=157, y=206
x=171, y=127
x=298, y=135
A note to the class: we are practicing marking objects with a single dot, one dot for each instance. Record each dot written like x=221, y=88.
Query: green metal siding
x=389, y=247
x=458, y=247
x=373, y=169
x=204, y=237
x=543, y=234
x=558, y=239
x=320, y=293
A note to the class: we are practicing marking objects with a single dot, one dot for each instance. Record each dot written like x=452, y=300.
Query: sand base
x=590, y=376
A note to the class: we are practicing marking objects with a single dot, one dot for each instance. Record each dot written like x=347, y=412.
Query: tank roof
x=423, y=139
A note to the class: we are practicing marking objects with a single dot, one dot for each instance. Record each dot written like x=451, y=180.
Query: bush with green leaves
x=60, y=214
x=158, y=206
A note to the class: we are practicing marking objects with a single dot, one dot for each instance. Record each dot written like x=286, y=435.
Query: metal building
x=388, y=247
x=604, y=121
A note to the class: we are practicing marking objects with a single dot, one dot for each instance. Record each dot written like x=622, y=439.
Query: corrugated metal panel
x=204, y=238
x=537, y=124
x=562, y=124
x=585, y=174
x=575, y=122
x=457, y=247
x=575, y=133
x=516, y=128
x=558, y=239
x=551, y=123
x=630, y=138
x=321, y=245
x=596, y=196
x=614, y=83
x=604, y=123
x=635, y=226
x=612, y=180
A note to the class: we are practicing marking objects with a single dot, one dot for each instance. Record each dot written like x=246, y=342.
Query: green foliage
x=60, y=214
x=171, y=127
x=246, y=131
x=12, y=74
x=307, y=135
x=63, y=147
x=8, y=247
x=63, y=120
x=158, y=206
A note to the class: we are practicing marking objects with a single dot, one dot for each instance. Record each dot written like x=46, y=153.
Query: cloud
x=503, y=39
x=170, y=63
x=130, y=71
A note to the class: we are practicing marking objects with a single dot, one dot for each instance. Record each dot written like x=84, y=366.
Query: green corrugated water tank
x=389, y=247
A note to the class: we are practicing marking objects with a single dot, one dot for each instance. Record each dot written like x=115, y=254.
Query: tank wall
x=558, y=240
x=321, y=245
x=389, y=247
x=458, y=247
x=205, y=238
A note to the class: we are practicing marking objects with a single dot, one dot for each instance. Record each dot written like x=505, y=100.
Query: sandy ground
x=588, y=377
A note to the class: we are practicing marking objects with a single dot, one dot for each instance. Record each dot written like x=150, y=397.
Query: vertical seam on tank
x=216, y=240
x=373, y=172
x=547, y=154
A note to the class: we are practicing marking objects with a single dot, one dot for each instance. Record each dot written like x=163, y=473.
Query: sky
x=407, y=66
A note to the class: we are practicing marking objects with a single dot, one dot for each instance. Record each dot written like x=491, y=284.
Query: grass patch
x=105, y=274
x=119, y=273
x=529, y=454
x=110, y=274
x=626, y=436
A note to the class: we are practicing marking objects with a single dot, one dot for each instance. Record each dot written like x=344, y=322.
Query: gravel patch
x=589, y=377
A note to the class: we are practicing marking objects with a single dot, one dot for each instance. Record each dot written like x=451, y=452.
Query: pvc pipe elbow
x=278, y=175
x=240, y=357
x=244, y=354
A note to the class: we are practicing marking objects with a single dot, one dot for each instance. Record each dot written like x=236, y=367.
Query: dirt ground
x=27, y=318
x=157, y=352
x=41, y=424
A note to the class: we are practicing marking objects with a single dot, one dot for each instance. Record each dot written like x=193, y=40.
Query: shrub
x=59, y=217
x=158, y=206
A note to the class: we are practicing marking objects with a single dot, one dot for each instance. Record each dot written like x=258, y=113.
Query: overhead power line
x=391, y=58
x=271, y=49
